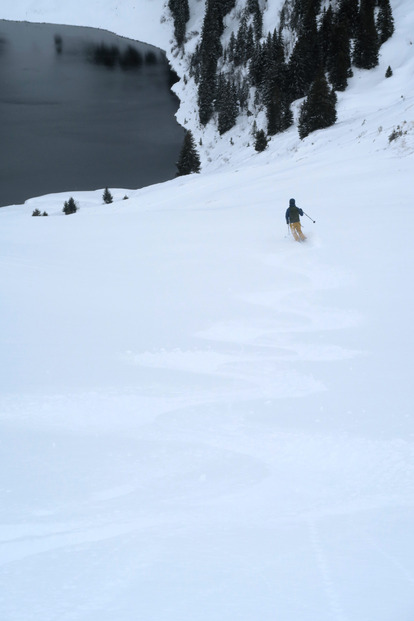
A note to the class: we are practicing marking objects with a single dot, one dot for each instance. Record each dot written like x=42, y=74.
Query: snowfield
x=200, y=418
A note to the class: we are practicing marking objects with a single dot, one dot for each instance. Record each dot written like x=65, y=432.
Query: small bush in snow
x=396, y=133
x=388, y=73
x=36, y=212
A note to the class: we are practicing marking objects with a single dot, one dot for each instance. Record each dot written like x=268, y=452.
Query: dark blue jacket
x=292, y=214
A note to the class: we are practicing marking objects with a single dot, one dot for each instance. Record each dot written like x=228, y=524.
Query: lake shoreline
x=125, y=136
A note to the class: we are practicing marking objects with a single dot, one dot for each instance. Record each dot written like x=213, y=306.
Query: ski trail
x=322, y=563
x=392, y=560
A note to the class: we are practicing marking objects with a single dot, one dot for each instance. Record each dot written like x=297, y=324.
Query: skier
x=293, y=220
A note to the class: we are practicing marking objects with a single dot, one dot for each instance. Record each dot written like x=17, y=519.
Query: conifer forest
x=309, y=54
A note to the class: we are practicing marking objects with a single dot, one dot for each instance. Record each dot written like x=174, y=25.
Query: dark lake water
x=74, y=119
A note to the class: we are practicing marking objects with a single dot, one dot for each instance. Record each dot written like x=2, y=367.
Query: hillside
x=201, y=419
x=151, y=21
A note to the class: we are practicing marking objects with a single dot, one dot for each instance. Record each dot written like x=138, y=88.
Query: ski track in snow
x=328, y=582
x=235, y=437
x=212, y=436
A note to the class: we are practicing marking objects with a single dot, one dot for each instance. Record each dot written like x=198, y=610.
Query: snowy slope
x=201, y=419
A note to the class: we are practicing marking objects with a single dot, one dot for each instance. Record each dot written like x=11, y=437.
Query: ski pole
x=308, y=216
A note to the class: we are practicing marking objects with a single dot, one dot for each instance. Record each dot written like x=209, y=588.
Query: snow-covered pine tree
x=278, y=112
x=299, y=11
x=254, y=8
x=181, y=14
x=274, y=111
x=257, y=66
x=228, y=109
x=319, y=108
x=209, y=52
x=260, y=143
x=305, y=60
x=70, y=207
x=206, y=93
x=385, y=21
x=348, y=13
x=339, y=58
x=231, y=48
x=107, y=197
x=366, y=39
x=325, y=34
x=275, y=90
x=189, y=160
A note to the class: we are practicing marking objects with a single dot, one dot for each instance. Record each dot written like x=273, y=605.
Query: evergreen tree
x=208, y=54
x=228, y=108
x=36, y=212
x=260, y=141
x=181, y=14
x=226, y=6
x=257, y=66
x=319, y=108
x=206, y=95
x=241, y=41
x=254, y=8
x=388, y=73
x=385, y=21
x=366, y=41
x=278, y=112
x=306, y=58
x=276, y=54
x=325, y=35
x=188, y=161
x=70, y=207
x=339, y=61
x=299, y=12
x=250, y=44
x=221, y=83
x=267, y=67
x=107, y=196
x=204, y=62
x=275, y=90
x=348, y=12
x=231, y=48
x=242, y=92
